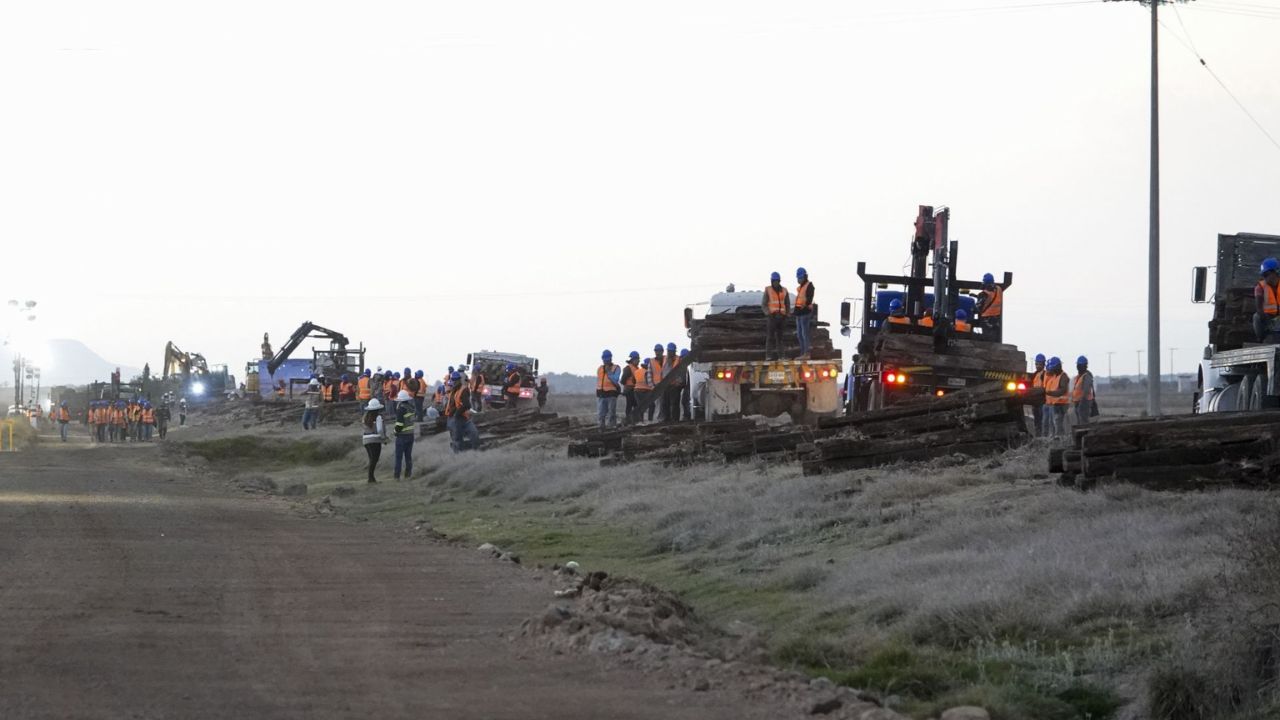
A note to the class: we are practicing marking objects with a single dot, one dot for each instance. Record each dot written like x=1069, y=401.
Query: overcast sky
x=556, y=178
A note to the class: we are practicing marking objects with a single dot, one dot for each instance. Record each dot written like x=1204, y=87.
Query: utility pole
x=1172, y=375
x=1153, y=221
x=1139, y=366
x=1109, y=354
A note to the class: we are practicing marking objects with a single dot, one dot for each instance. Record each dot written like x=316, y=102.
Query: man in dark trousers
x=671, y=399
x=777, y=306
x=633, y=382
x=803, y=311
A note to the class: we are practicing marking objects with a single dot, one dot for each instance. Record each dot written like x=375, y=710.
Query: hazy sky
x=432, y=178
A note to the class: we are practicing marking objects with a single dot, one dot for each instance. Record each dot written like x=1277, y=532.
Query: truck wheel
x=1245, y=396
x=1258, y=394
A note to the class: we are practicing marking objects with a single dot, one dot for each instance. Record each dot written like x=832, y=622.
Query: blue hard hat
x=510, y=367
x=396, y=376
x=657, y=348
x=635, y=355
x=64, y=403
x=684, y=352
x=895, y=304
x=1040, y=357
x=671, y=347
x=367, y=372
x=774, y=277
x=801, y=272
x=1270, y=265
x=418, y=374
x=962, y=315
x=606, y=355
x=1082, y=360
x=455, y=376
x=345, y=377
x=988, y=278
x=1054, y=362
x=407, y=371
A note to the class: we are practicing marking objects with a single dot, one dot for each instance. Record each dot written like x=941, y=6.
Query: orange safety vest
x=117, y=417
x=1037, y=379
x=802, y=296
x=455, y=405
x=513, y=383
x=777, y=300
x=1077, y=394
x=926, y=321
x=422, y=387
x=603, y=382
x=1270, y=298
x=365, y=392
x=346, y=390
x=997, y=303
x=390, y=388
x=149, y=417
x=963, y=326
x=642, y=378
x=476, y=382
x=655, y=370
x=1056, y=382
x=63, y=415
x=280, y=391
x=899, y=320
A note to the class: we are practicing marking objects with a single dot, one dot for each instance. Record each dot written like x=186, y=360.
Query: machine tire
x=1258, y=393
x=1245, y=395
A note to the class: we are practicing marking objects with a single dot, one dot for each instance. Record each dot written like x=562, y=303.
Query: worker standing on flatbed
x=990, y=308
x=897, y=314
x=803, y=311
x=1082, y=391
x=1266, y=300
x=632, y=380
x=1057, y=398
x=777, y=306
x=511, y=386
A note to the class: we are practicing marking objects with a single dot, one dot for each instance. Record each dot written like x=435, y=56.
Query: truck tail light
x=940, y=393
x=526, y=393
x=724, y=374
x=895, y=378
x=808, y=374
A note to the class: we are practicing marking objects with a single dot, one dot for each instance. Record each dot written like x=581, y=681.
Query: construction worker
x=182, y=412
x=644, y=391
x=280, y=390
x=163, y=415
x=962, y=322
x=375, y=386
x=346, y=389
x=1266, y=300
x=391, y=386
x=437, y=400
x=91, y=419
x=608, y=387
x=477, y=387
x=989, y=311
x=803, y=311
x=686, y=409
x=777, y=306
x=364, y=388
x=63, y=418
x=420, y=392
x=404, y=415
x=1082, y=391
x=148, y=421
x=632, y=380
x=1037, y=408
x=897, y=313
x=119, y=422
x=373, y=433
x=458, y=413
x=1057, y=398
x=311, y=400
x=543, y=390
x=675, y=386
x=657, y=371
x=511, y=386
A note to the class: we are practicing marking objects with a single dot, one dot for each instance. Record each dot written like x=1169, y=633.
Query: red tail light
x=940, y=393
x=1022, y=386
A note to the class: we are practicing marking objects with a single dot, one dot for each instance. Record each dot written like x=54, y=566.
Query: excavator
x=331, y=363
x=196, y=377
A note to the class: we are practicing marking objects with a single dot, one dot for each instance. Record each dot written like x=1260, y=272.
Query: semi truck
x=1237, y=372
x=730, y=376
x=926, y=355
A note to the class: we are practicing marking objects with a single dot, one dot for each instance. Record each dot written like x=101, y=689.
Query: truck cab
x=493, y=365
x=1236, y=371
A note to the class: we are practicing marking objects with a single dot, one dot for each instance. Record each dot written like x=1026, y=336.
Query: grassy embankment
x=933, y=585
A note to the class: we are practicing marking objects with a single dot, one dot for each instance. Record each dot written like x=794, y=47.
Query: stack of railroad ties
x=1191, y=452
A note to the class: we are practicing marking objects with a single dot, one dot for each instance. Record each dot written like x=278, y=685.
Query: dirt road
x=129, y=591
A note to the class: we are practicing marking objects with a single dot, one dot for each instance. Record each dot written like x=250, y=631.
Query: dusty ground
x=134, y=591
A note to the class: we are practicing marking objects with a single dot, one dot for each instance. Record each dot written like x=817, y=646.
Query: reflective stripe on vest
x=1056, y=382
x=777, y=301
x=1077, y=394
x=802, y=296
x=996, y=307
x=1270, y=298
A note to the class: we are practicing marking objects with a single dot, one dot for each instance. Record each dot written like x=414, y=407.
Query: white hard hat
x=433, y=413
x=404, y=396
x=314, y=383
x=373, y=405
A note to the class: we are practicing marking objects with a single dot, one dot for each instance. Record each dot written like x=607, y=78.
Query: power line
x=1189, y=44
x=408, y=298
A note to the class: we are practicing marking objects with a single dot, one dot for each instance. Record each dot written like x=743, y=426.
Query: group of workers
x=1063, y=395
x=133, y=420
x=638, y=382
x=988, y=312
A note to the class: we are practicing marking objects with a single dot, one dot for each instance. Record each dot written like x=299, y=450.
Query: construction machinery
x=339, y=359
x=923, y=353
x=731, y=376
x=1236, y=372
x=196, y=378
x=493, y=365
